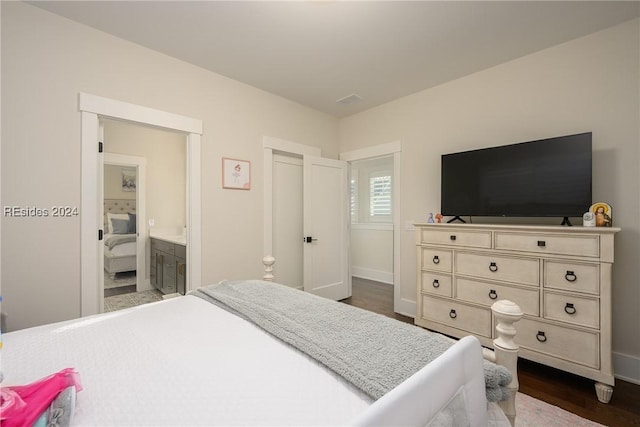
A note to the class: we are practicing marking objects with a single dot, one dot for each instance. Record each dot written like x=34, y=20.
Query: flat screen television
x=544, y=178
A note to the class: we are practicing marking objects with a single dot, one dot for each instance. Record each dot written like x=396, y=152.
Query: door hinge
x=99, y=234
x=100, y=147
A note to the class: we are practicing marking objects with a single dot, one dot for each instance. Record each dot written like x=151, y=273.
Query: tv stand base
x=565, y=221
x=456, y=218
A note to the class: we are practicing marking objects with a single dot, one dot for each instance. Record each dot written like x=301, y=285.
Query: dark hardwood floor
x=570, y=392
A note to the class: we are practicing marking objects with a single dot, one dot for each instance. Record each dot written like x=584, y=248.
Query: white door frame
x=400, y=305
x=91, y=108
x=140, y=163
x=269, y=145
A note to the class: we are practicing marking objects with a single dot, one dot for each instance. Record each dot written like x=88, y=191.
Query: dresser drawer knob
x=453, y=314
x=570, y=276
x=542, y=243
x=540, y=336
x=493, y=267
x=436, y=260
x=452, y=237
x=436, y=283
x=569, y=308
x=493, y=294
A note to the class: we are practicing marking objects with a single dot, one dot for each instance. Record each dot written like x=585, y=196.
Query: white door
x=326, y=227
x=287, y=220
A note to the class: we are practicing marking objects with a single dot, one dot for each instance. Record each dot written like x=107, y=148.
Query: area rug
x=118, y=302
x=531, y=412
x=126, y=278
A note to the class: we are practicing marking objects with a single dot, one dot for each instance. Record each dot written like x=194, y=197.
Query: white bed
x=188, y=362
x=122, y=257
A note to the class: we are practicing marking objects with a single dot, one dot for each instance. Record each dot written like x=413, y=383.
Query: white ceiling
x=316, y=52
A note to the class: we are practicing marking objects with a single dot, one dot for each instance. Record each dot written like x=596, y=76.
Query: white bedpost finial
x=268, y=267
x=506, y=314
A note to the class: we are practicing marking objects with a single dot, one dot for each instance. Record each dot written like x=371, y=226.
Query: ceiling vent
x=349, y=99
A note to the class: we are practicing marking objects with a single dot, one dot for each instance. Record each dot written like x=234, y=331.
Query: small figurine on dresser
x=439, y=218
x=602, y=212
x=430, y=218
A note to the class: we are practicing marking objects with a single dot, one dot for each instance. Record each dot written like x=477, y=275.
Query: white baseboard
x=406, y=308
x=627, y=368
x=370, y=274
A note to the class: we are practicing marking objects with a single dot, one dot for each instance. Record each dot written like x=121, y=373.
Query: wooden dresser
x=559, y=276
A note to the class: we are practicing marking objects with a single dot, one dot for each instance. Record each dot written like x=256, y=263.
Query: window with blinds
x=371, y=191
x=354, y=198
x=380, y=197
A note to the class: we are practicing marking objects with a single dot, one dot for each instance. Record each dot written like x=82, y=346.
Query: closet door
x=287, y=220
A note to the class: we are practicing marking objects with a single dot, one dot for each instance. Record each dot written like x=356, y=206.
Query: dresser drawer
x=475, y=320
x=566, y=343
x=578, y=245
x=163, y=246
x=580, y=277
x=495, y=267
x=454, y=237
x=436, y=284
x=435, y=259
x=487, y=293
x=569, y=308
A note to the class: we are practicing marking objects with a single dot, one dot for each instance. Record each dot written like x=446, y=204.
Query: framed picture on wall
x=236, y=174
x=128, y=180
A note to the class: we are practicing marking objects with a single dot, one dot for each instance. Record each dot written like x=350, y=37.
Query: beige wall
x=589, y=84
x=372, y=252
x=166, y=177
x=42, y=73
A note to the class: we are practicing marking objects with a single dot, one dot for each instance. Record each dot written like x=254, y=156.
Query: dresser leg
x=604, y=392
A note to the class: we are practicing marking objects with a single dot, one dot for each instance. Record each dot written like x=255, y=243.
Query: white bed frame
x=117, y=264
x=205, y=385
x=393, y=407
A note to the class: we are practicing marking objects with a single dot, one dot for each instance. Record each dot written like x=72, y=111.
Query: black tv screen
x=544, y=178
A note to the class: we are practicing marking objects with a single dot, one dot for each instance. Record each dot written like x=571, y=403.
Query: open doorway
x=144, y=184
x=371, y=189
x=93, y=109
x=391, y=151
x=120, y=199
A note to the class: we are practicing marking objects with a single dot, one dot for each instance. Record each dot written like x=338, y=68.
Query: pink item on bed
x=23, y=405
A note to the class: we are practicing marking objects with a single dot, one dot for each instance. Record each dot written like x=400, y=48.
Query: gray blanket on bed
x=373, y=352
x=118, y=239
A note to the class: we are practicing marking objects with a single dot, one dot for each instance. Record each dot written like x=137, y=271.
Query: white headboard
x=120, y=206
